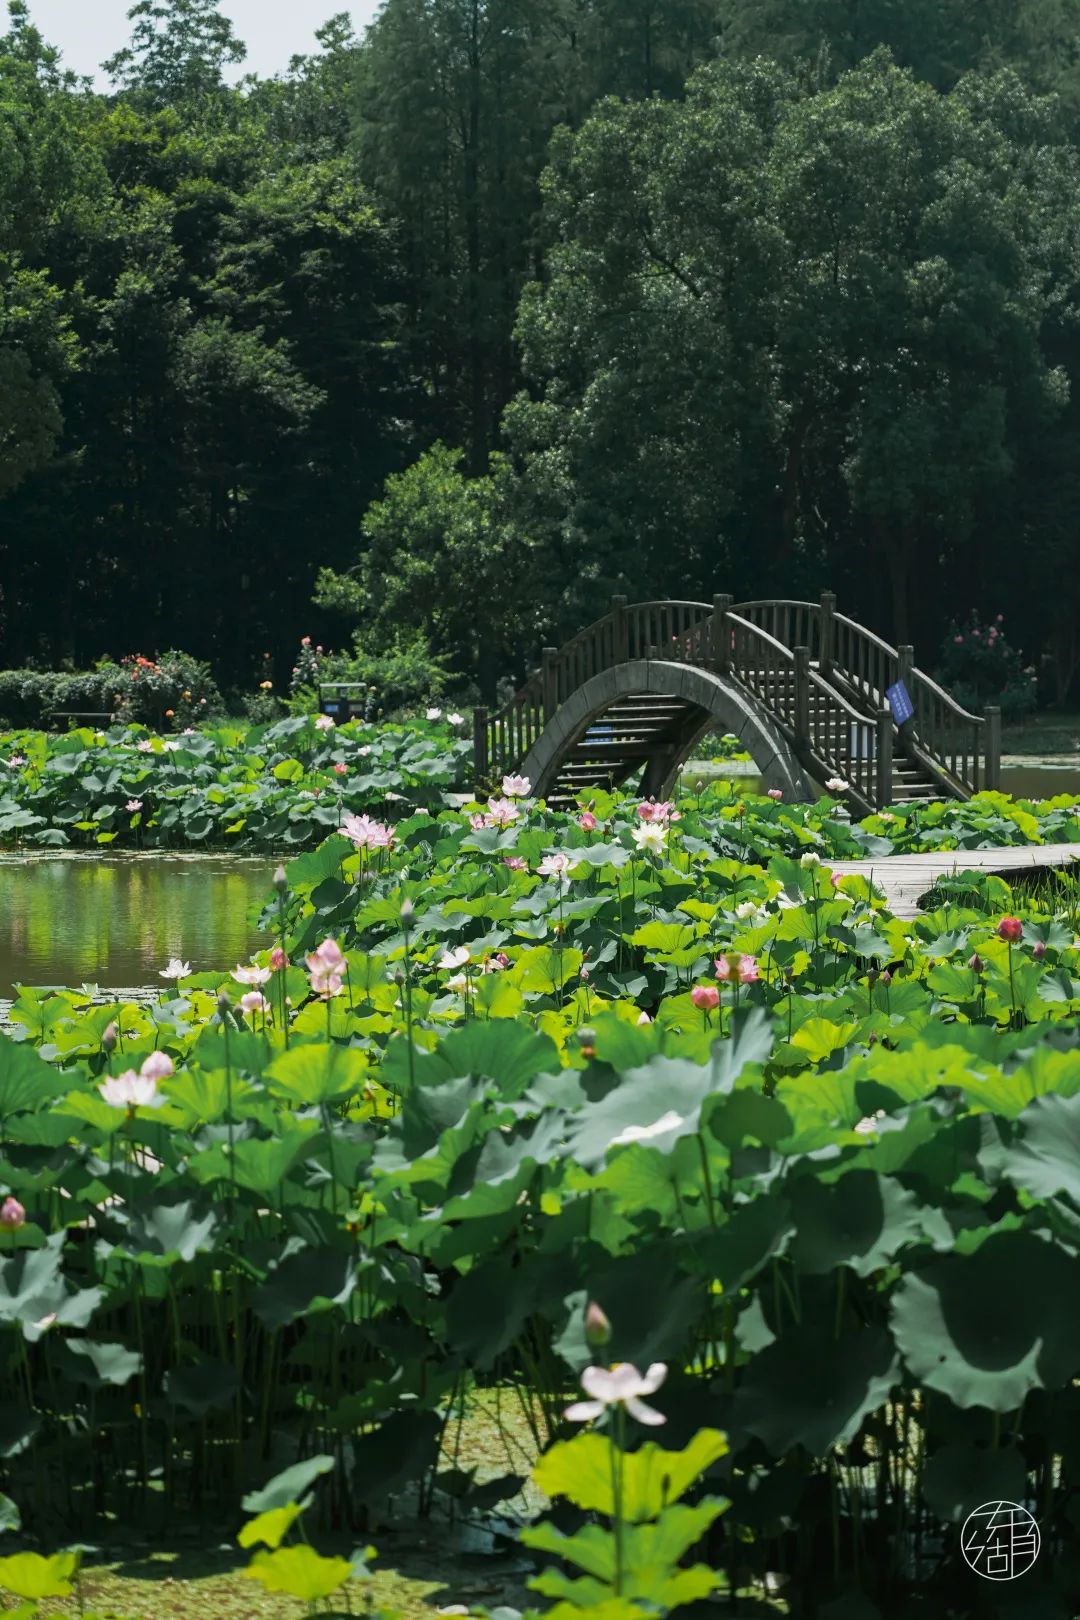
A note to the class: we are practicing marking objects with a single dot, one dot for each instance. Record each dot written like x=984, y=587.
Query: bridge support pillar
x=480, y=745
x=802, y=694
x=621, y=630
x=551, y=682
x=993, y=748
x=884, y=760
x=828, y=631
x=721, y=634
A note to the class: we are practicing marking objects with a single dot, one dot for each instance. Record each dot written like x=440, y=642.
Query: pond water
x=114, y=920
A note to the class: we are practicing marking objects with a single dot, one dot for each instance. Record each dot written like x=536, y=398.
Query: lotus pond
x=510, y=1097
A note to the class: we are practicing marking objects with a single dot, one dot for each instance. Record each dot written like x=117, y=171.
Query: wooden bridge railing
x=822, y=676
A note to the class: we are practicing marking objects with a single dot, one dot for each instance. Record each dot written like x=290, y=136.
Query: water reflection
x=114, y=920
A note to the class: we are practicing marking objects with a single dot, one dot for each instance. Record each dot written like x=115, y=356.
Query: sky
x=87, y=31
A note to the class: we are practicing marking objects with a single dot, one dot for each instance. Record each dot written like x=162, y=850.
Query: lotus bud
x=278, y=959
x=399, y=977
x=408, y=911
x=886, y=978
x=12, y=1215
x=976, y=963
x=223, y=1003
x=1038, y=950
x=587, y=1042
x=109, y=1038
x=597, y=1327
x=643, y=1018
x=280, y=880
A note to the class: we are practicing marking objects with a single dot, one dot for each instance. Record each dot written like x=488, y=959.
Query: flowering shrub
x=305, y=672
x=978, y=665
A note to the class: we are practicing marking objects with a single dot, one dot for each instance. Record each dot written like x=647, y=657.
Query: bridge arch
x=703, y=700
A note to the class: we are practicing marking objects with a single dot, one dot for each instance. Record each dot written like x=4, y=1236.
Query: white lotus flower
x=434, y=714
x=516, y=787
x=556, y=865
x=458, y=984
x=251, y=975
x=455, y=719
x=455, y=958
x=836, y=784
x=810, y=859
x=621, y=1385
x=747, y=910
x=175, y=969
x=131, y=1091
x=158, y=1066
x=645, y=1133
x=650, y=836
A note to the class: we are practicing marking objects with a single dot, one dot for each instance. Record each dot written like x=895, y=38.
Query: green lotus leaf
x=290, y=1485
x=307, y=1280
x=653, y=1478
x=317, y=1073
x=26, y=1080
x=98, y=1365
x=960, y=1477
x=299, y=1571
x=813, y=1389
x=205, y=1387
x=986, y=1328
x=861, y=1220
x=31, y=1576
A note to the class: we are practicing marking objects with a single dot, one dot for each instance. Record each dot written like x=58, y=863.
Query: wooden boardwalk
x=905, y=879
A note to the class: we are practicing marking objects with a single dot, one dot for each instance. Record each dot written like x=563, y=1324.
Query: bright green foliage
x=797, y=1201
x=637, y=1560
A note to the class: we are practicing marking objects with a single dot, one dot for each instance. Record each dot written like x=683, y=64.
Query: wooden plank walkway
x=905, y=879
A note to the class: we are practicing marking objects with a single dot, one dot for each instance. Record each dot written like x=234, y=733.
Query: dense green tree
x=178, y=51
x=784, y=333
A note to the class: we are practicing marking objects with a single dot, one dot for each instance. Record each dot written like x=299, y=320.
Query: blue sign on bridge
x=900, y=703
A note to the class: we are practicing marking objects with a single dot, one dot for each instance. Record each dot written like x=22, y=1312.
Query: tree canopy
x=471, y=321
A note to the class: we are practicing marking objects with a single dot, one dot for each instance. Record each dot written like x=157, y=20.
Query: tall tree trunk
x=477, y=425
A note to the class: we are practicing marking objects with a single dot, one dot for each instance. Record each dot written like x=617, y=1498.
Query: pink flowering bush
x=979, y=665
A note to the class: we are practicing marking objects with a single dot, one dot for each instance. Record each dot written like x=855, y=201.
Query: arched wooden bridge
x=803, y=686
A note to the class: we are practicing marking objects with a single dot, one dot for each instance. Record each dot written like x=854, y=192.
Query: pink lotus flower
x=253, y=1002
x=131, y=1091
x=12, y=1215
x=958, y=641
x=157, y=1066
x=328, y=954
x=516, y=863
x=365, y=833
x=516, y=787
x=324, y=981
x=15, y=761
x=587, y=821
x=775, y=794
x=501, y=812
x=556, y=865
x=477, y=821
x=145, y=746
x=1010, y=929
x=652, y=810
x=251, y=975
x=620, y=1385
x=706, y=997
x=340, y=768
x=723, y=969
x=278, y=959
x=323, y=722
x=496, y=963
x=748, y=970
x=133, y=805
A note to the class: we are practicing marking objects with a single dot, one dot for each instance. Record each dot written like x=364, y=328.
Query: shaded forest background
x=512, y=304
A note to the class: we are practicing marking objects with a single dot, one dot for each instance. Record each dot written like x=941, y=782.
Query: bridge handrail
x=768, y=646
x=832, y=728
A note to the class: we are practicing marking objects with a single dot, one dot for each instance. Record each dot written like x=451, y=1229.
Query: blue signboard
x=900, y=703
